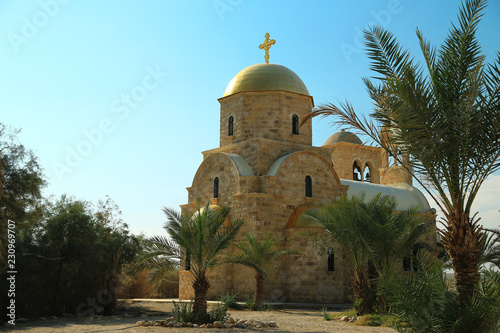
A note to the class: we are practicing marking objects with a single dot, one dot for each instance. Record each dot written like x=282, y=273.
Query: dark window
x=230, y=126
x=187, y=263
x=309, y=190
x=356, y=171
x=331, y=261
x=295, y=124
x=216, y=187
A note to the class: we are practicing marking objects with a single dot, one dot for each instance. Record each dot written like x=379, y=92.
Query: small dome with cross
x=264, y=77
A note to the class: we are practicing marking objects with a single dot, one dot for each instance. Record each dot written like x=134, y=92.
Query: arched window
x=230, y=125
x=331, y=261
x=309, y=190
x=216, y=187
x=295, y=124
x=356, y=171
x=367, y=177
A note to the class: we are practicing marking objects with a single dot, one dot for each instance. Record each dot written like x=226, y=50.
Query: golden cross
x=266, y=46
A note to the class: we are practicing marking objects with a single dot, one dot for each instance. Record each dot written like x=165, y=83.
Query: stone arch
x=298, y=219
x=291, y=171
x=228, y=168
x=368, y=171
x=357, y=172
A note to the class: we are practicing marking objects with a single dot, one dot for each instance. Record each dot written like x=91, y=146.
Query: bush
x=385, y=320
x=326, y=316
x=218, y=313
x=229, y=300
x=183, y=312
x=349, y=313
x=423, y=302
x=250, y=303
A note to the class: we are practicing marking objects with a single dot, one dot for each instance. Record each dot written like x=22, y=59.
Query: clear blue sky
x=69, y=69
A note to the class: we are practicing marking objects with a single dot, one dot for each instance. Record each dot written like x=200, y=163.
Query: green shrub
x=229, y=299
x=250, y=303
x=218, y=313
x=326, y=316
x=349, y=313
x=423, y=302
x=183, y=312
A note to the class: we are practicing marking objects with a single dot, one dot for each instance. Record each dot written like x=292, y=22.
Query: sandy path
x=288, y=320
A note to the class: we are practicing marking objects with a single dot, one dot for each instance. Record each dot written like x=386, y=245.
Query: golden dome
x=261, y=77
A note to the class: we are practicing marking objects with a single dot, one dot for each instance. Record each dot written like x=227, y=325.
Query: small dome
x=343, y=136
x=261, y=77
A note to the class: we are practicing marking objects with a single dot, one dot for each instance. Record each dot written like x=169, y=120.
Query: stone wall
x=395, y=174
x=268, y=210
x=265, y=114
x=262, y=153
x=344, y=154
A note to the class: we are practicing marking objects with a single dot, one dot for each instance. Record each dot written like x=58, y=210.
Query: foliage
x=183, y=312
x=489, y=252
x=370, y=231
x=71, y=259
x=21, y=183
x=259, y=255
x=374, y=319
x=250, y=302
x=218, y=313
x=159, y=256
x=229, y=300
x=22, y=178
x=324, y=312
x=440, y=122
x=423, y=303
x=349, y=313
x=133, y=283
x=203, y=236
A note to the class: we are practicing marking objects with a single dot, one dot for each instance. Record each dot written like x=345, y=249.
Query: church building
x=269, y=173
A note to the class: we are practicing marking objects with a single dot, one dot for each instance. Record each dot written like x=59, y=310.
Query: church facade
x=267, y=171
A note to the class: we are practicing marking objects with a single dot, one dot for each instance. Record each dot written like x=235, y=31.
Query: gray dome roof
x=343, y=136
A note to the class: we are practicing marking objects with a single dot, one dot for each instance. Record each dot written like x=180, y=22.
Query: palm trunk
x=200, y=287
x=462, y=240
x=259, y=292
x=361, y=291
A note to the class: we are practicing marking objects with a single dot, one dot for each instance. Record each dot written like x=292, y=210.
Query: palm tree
x=442, y=126
x=343, y=227
x=392, y=235
x=260, y=256
x=202, y=236
x=160, y=256
x=373, y=232
x=490, y=249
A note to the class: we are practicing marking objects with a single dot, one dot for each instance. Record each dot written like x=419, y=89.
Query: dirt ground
x=288, y=320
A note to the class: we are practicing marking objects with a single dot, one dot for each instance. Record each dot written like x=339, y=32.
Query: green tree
x=423, y=302
x=21, y=183
x=373, y=232
x=202, y=236
x=441, y=123
x=259, y=255
x=71, y=258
